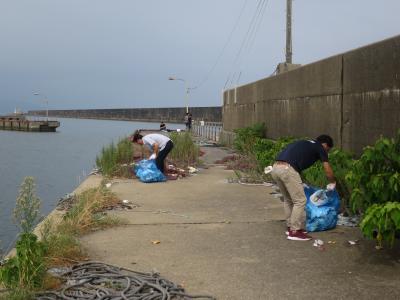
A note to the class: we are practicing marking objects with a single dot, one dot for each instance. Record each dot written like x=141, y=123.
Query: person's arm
x=329, y=172
x=156, y=149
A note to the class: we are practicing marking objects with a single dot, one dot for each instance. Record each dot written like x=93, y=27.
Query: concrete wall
x=172, y=115
x=354, y=97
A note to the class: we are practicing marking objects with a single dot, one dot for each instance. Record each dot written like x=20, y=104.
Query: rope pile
x=99, y=281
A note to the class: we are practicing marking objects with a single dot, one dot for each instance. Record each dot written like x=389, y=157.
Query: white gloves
x=153, y=156
x=331, y=186
x=268, y=169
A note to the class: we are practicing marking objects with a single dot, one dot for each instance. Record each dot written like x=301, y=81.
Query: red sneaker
x=298, y=235
x=288, y=229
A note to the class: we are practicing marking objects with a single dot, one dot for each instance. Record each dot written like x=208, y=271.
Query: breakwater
x=354, y=97
x=171, y=114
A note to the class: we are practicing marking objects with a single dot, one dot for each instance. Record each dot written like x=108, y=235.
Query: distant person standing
x=159, y=144
x=163, y=126
x=190, y=121
x=187, y=121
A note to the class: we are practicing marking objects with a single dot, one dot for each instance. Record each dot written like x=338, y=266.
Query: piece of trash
x=125, y=201
x=192, y=170
x=355, y=242
x=108, y=185
x=348, y=221
x=377, y=247
x=268, y=169
x=331, y=242
x=155, y=242
x=319, y=198
x=318, y=243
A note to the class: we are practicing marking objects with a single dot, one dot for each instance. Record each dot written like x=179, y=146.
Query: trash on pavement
x=108, y=185
x=354, y=242
x=155, y=242
x=319, y=244
x=348, y=221
x=192, y=170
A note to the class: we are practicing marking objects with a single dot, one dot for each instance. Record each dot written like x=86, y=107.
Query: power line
x=206, y=77
x=248, y=39
x=252, y=38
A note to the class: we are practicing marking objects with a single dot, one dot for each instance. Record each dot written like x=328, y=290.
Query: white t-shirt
x=150, y=139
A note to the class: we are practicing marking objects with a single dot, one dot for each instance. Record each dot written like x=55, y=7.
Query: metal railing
x=208, y=130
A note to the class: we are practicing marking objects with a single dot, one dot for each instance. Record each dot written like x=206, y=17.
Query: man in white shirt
x=159, y=145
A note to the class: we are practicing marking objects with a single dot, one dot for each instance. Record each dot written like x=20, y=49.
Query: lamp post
x=187, y=89
x=47, y=104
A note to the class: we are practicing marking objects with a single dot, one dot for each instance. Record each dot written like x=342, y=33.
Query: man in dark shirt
x=295, y=158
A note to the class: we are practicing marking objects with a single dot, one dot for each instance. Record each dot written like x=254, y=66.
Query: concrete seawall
x=354, y=97
x=172, y=114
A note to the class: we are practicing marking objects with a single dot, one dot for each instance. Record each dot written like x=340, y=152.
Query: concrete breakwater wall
x=172, y=114
x=354, y=97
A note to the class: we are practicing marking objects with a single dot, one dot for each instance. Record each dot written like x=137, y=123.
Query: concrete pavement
x=228, y=240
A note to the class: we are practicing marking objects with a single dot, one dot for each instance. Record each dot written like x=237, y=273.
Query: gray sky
x=120, y=53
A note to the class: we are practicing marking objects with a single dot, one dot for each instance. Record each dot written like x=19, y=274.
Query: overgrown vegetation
x=115, y=159
x=185, y=151
x=375, y=183
x=369, y=186
x=375, y=177
x=25, y=273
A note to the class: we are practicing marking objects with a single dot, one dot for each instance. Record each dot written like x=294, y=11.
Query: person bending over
x=159, y=145
x=295, y=158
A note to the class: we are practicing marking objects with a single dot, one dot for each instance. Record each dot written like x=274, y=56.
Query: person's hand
x=331, y=186
x=153, y=156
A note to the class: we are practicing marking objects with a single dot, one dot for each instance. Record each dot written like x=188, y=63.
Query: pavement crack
x=196, y=223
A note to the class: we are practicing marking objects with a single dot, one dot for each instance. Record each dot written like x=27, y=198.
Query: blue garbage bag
x=322, y=209
x=146, y=170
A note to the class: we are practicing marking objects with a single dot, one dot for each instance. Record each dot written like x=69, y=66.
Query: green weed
x=25, y=270
x=382, y=221
x=185, y=151
x=114, y=160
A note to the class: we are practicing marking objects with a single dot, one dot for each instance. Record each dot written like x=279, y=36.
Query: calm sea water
x=58, y=161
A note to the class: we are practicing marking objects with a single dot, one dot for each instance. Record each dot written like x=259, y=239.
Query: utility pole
x=288, y=31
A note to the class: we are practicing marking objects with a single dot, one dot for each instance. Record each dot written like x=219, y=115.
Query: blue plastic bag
x=146, y=170
x=322, y=211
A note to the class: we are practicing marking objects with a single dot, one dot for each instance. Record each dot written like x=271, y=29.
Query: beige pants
x=294, y=199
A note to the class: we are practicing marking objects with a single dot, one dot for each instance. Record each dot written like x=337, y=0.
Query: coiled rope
x=100, y=281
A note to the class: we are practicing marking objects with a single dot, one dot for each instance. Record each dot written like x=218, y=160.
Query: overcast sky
x=119, y=53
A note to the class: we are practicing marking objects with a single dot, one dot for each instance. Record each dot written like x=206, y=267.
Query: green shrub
x=246, y=137
x=25, y=270
x=266, y=150
x=375, y=177
x=185, y=151
x=382, y=221
x=113, y=156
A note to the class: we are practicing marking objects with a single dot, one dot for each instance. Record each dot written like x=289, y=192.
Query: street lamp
x=187, y=89
x=47, y=104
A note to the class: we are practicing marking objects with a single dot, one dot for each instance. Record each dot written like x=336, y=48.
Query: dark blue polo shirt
x=303, y=154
